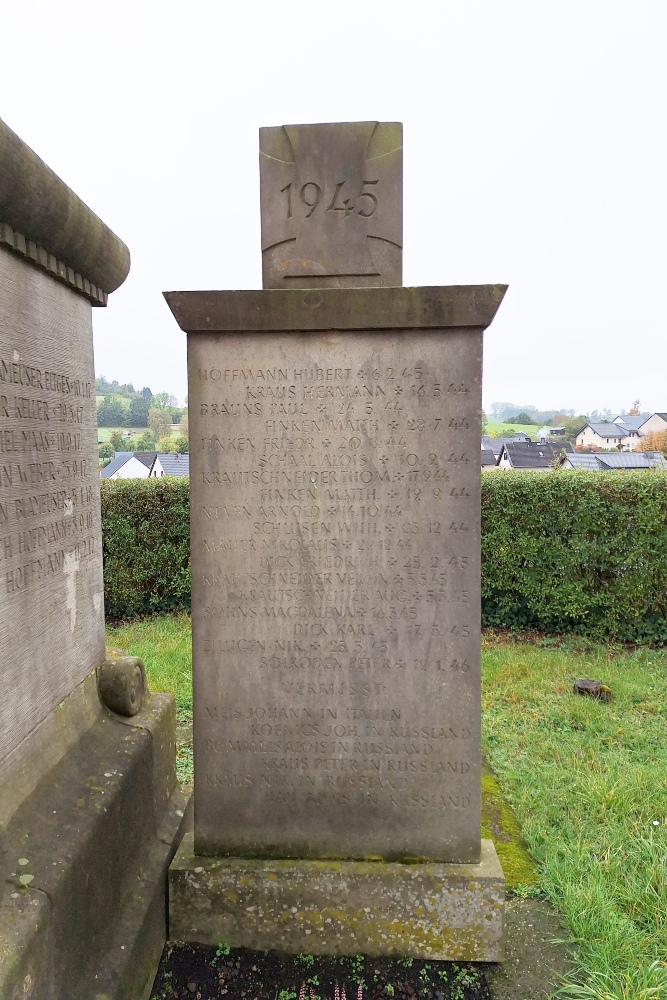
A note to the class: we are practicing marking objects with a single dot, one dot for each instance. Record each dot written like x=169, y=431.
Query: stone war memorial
x=89, y=808
x=335, y=545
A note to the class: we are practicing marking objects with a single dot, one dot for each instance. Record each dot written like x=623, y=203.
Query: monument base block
x=83, y=864
x=449, y=912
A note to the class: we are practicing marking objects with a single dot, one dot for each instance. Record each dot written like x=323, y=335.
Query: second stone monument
x=335, y=580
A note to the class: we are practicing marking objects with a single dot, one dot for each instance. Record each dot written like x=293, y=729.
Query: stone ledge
x=449, y=912
x=36, y=203
x=326, y=309
x=98, y=834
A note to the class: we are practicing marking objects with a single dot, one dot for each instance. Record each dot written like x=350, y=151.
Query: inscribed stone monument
x=88, y=802
x=335, y=571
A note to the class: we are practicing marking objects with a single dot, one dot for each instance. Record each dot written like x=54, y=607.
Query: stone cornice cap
x=299, y=309
x=43, y=219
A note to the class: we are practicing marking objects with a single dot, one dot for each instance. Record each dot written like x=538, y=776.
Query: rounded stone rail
x=45, y=221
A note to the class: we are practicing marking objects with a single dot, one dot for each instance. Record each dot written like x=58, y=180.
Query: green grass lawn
x=494, y=429
x=587, y=782
x=104, y=433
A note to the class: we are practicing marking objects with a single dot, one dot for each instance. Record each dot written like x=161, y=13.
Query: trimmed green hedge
x=146, y=546
x=561, y=552
x=576, y=551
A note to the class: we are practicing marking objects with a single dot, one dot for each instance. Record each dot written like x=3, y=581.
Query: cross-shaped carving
x=331, y=202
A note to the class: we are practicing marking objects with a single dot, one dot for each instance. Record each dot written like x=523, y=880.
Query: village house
x=533, y=455
x=495, y=444
x=170, y=465
x=607, y=436
x=129, y=465
x=656, y=422
x=628, y=461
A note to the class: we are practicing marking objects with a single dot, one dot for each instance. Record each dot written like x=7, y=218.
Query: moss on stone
x=500, y=825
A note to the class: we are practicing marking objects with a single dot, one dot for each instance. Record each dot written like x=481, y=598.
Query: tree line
x=124, y=406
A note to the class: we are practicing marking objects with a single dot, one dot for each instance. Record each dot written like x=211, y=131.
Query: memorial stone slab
x=335, y=552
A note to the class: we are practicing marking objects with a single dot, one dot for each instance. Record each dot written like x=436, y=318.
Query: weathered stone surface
x=122, y=682
x=332, y=205
x=335, y=563
x=34, y=201
x=51, y=588
x=438, y=911
x=92, y=919
x=336, y=309
x=46, y=745
x=335, y=579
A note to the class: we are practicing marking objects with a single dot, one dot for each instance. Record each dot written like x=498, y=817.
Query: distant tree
x=182, y=445
x=521, y=418
x=111, y=412
x=573, y=425
x=184, y=424
x=172, y=402
x=167, y=446
x=634, y=410
x=139, y=412
x=558, y=419
x=146, y=393
x=160, y=399
x=159, y=421
x=485, y=423
x=501, y=410
x=146, y=442
x=654, y=441
x=105, y=450
x=117, y=441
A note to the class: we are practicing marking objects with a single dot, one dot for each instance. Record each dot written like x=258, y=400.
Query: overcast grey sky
x=535, y=154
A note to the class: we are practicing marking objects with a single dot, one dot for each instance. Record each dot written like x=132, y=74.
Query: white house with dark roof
x=129, y=465
x=607, y=436
x=585, y=460
x=170, y=465
x=656, y=422
x=532, y=455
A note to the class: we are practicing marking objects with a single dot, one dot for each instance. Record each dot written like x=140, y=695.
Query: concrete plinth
x=448, y=912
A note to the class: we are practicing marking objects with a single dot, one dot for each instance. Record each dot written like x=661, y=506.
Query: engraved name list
x=335, y=499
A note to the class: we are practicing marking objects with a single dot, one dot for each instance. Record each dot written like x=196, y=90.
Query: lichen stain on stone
x=500, y=825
